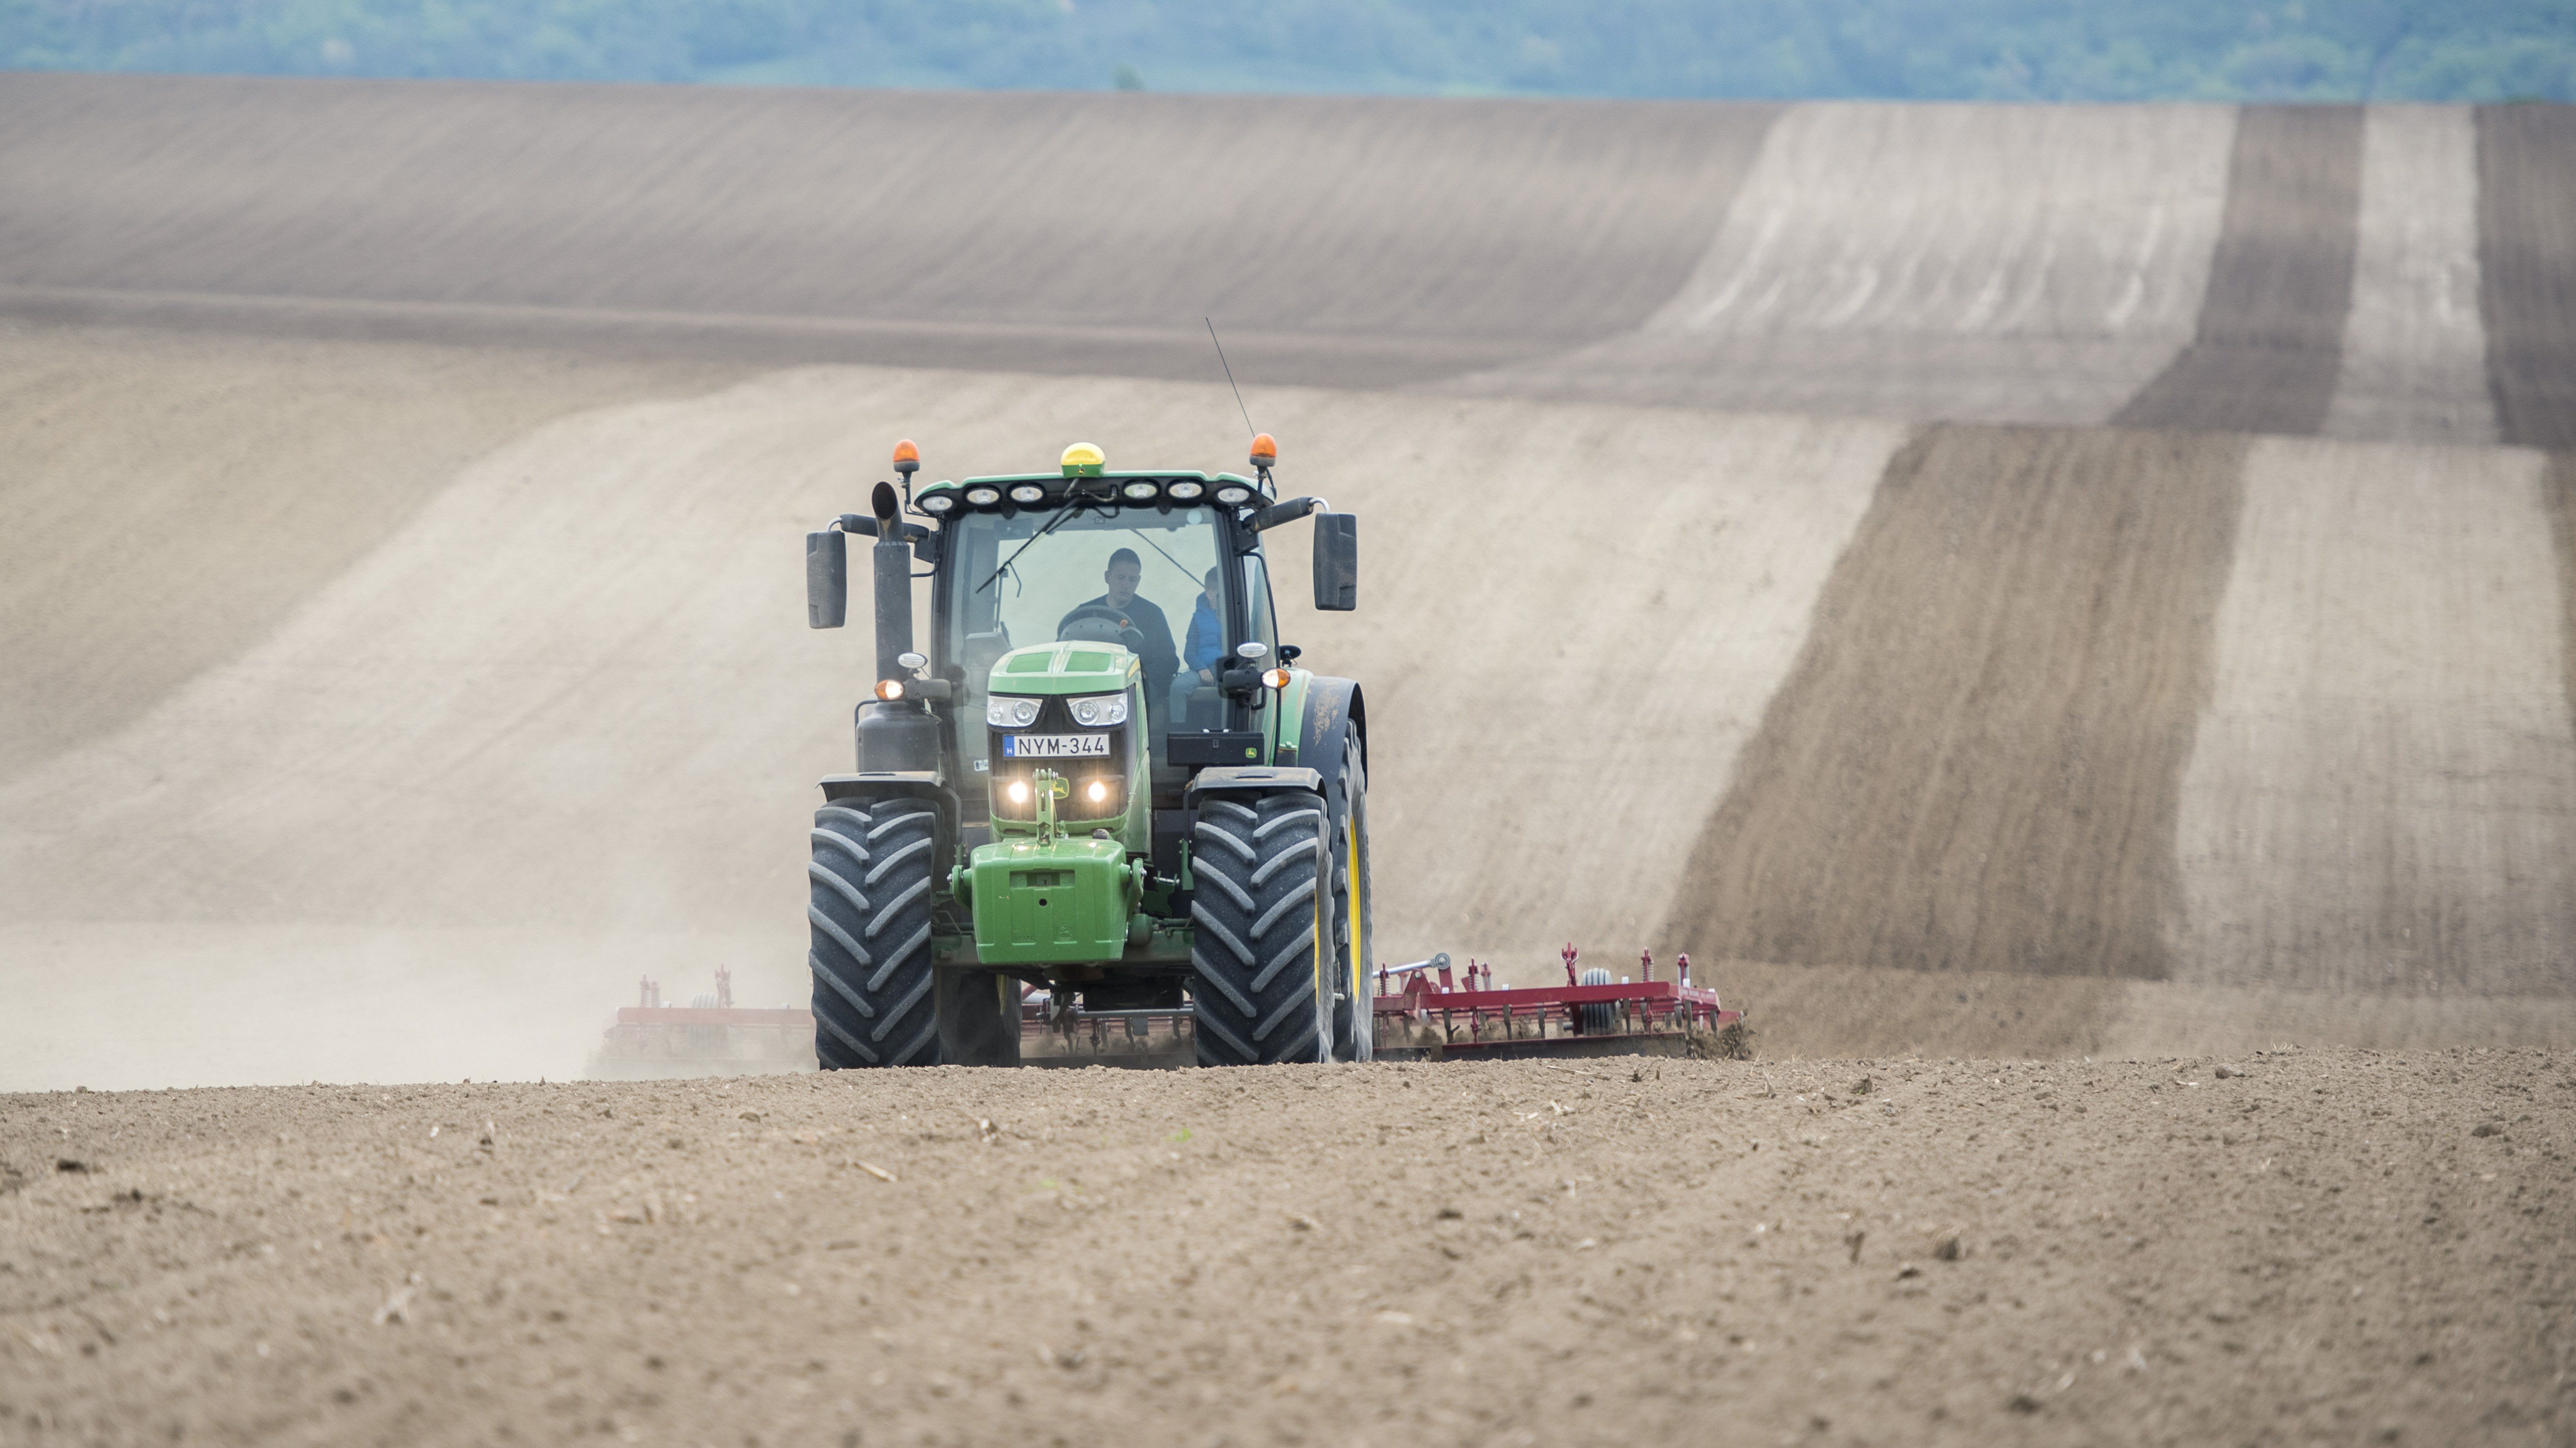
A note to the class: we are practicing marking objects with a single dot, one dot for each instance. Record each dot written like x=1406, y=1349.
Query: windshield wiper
x=1139, y=534
x=1075, y=504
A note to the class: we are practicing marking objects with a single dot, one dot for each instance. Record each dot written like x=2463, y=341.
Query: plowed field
x=400, y=652
x=2320, y=1247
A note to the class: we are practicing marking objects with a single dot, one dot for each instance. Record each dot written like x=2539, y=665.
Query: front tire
x=1257, y=992
x=979, y=1018
x=869, y=905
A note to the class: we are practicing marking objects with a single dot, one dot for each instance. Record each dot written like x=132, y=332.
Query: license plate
x=1054, y=746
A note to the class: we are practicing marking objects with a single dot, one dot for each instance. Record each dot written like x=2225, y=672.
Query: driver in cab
x=1148, y=632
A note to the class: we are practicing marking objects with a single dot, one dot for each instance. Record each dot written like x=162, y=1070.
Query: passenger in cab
x=1201, y=651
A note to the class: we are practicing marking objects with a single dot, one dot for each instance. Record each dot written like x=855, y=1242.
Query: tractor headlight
x=1027, y=493
x=983, y=497
x=1098, y=793
x=1004, y=712
x=936, y=503
x=1100, y=710
x=1140, y=491
x=1185, y=491
x=1233, y=496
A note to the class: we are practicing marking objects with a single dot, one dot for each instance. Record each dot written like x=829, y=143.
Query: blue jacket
x=1206, y=642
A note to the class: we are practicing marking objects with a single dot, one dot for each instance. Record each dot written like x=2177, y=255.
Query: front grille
x=1109, y=771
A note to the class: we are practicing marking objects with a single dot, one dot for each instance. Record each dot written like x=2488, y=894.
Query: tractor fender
x=1334, y=710
x=1246, y=779
x=924, y=786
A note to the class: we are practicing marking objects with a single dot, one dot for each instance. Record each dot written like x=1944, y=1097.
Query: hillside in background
x=2089, y=50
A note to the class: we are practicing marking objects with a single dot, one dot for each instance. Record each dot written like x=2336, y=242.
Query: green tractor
x=1070, y=790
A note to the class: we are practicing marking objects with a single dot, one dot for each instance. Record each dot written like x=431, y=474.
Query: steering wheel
x=1102, y=613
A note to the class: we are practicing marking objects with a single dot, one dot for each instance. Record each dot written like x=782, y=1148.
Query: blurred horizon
x=1991, y=50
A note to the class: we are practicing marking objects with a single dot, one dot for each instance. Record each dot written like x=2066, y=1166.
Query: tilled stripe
x=2269, y=346
x=2414, y=352
x=2382, y=791
x=1975, y=762
x=2558, y=491
x=2527, y=270
x=1403, y=237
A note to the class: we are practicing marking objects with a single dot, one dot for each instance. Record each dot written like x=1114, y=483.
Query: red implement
x=1422, y=1014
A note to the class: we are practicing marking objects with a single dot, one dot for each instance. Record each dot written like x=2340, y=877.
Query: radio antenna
x=1229, y=375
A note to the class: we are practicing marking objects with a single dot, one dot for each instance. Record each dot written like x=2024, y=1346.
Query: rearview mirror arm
x=1287, y=512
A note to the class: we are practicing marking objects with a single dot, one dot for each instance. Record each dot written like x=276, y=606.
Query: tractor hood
x=1064, y=668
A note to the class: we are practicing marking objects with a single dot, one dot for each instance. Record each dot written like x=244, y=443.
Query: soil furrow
x=2269, y=346
x=2527, y=269
x=1977, y=760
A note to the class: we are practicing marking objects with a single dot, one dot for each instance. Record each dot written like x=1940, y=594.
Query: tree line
x=2036, y=50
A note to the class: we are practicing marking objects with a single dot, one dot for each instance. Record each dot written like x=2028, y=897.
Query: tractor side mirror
x=827, y=578
x=1337, y=562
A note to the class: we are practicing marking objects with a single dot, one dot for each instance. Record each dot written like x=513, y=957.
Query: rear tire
x=1258, y=996
x=869, y=905
x=1355, y=1009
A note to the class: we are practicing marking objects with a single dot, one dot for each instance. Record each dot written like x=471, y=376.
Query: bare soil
x=2558, y=497
x=1339, y=240
x=2269, y=346
x=2414, y=348
x=1972, y=262
x=2527, y=269
x=2327, y=1247
x=176, y=498
x=1977, y=762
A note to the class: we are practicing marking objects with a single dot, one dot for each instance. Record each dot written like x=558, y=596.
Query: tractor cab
x=1165, y=569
